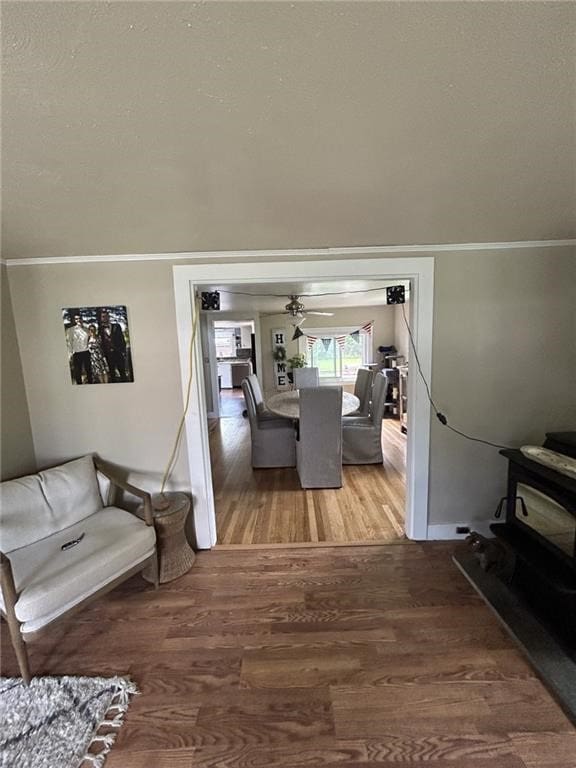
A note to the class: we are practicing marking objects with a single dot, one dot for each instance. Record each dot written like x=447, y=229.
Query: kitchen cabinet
x=232, y=373
x=239, y=372
x=225, y=373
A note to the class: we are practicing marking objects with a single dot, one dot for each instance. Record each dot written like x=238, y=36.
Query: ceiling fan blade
x=273, y=314
x=313, y=312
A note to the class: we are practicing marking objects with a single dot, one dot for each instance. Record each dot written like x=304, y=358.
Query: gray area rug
x=60, y=722
x=550, y=658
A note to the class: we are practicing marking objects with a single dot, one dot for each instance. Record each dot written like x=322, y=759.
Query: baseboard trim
x=311, y=545
x=447, y=531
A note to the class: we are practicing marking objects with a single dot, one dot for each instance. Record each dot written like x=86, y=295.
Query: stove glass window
x=547, y=518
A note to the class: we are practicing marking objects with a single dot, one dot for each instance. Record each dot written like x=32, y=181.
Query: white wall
x=131, y=424
x=504, y=366
x=205, y=330
x=401, y=336
x=246, y=332
x=16, y=446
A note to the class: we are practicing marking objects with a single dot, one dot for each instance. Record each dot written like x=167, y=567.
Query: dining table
x=287, y=404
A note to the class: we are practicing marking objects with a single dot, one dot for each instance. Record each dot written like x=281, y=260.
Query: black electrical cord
x=439, y=415
x=300, y=295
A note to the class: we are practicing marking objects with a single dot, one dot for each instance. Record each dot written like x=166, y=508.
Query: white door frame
x=419, y=270
x=208, y=343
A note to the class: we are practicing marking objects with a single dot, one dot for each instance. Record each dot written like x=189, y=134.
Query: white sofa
x=63, y=542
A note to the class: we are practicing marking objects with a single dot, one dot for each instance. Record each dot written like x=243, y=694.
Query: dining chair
x=273, y=439
x=362, y=435
x=306, y=377
x=319, y=443
x=363, y=391
x=261, y=409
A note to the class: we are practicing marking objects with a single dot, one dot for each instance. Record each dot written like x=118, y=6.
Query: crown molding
x=194, y=256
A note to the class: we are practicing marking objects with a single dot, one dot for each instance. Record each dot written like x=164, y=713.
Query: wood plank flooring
x=335, y=657
x=231, y=403
x=268, y=506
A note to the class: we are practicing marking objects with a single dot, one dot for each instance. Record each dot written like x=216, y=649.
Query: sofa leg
x=10, y=597
x=20, y=648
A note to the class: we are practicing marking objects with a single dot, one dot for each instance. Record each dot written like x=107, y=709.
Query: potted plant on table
x=296, y=361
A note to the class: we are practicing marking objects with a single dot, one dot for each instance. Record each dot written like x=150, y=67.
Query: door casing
x=345, y=264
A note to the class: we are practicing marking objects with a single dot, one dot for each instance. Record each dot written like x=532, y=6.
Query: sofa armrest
x=7, y=585
x=124, y=486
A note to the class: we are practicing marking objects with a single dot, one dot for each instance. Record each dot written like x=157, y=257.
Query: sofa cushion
x=37, y=506
x=51, y=581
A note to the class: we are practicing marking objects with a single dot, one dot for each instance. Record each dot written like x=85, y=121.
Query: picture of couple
x=98, y=344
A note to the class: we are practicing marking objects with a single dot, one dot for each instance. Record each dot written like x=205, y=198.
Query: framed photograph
x=98, y=344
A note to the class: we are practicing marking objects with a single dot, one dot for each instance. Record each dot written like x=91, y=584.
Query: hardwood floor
x=268, y=506
x=231, y=403
x=329, y=657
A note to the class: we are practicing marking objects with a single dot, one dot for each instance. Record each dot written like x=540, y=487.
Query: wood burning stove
x=539, y=533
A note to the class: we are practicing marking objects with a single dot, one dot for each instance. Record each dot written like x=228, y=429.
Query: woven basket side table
x=175, y=555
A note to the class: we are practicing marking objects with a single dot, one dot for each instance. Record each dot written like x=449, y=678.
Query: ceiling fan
x=298, y=312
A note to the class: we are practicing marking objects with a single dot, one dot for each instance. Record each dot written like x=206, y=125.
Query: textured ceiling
x=146, y=127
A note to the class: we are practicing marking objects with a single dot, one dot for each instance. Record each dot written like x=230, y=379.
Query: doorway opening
x=419, y=273
x=235, y=345
x=339, y=332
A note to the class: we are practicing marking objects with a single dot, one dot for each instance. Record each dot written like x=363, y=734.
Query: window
x=338, y=353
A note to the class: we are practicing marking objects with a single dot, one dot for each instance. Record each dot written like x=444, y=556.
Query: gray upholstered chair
x=362, y=435
x=363, y=391
x=256, y=390
x=261, y=409
x=273, y=438
x=319, y=445
x=306, y=377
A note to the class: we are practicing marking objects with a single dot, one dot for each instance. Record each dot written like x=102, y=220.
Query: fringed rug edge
x=113, y=718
